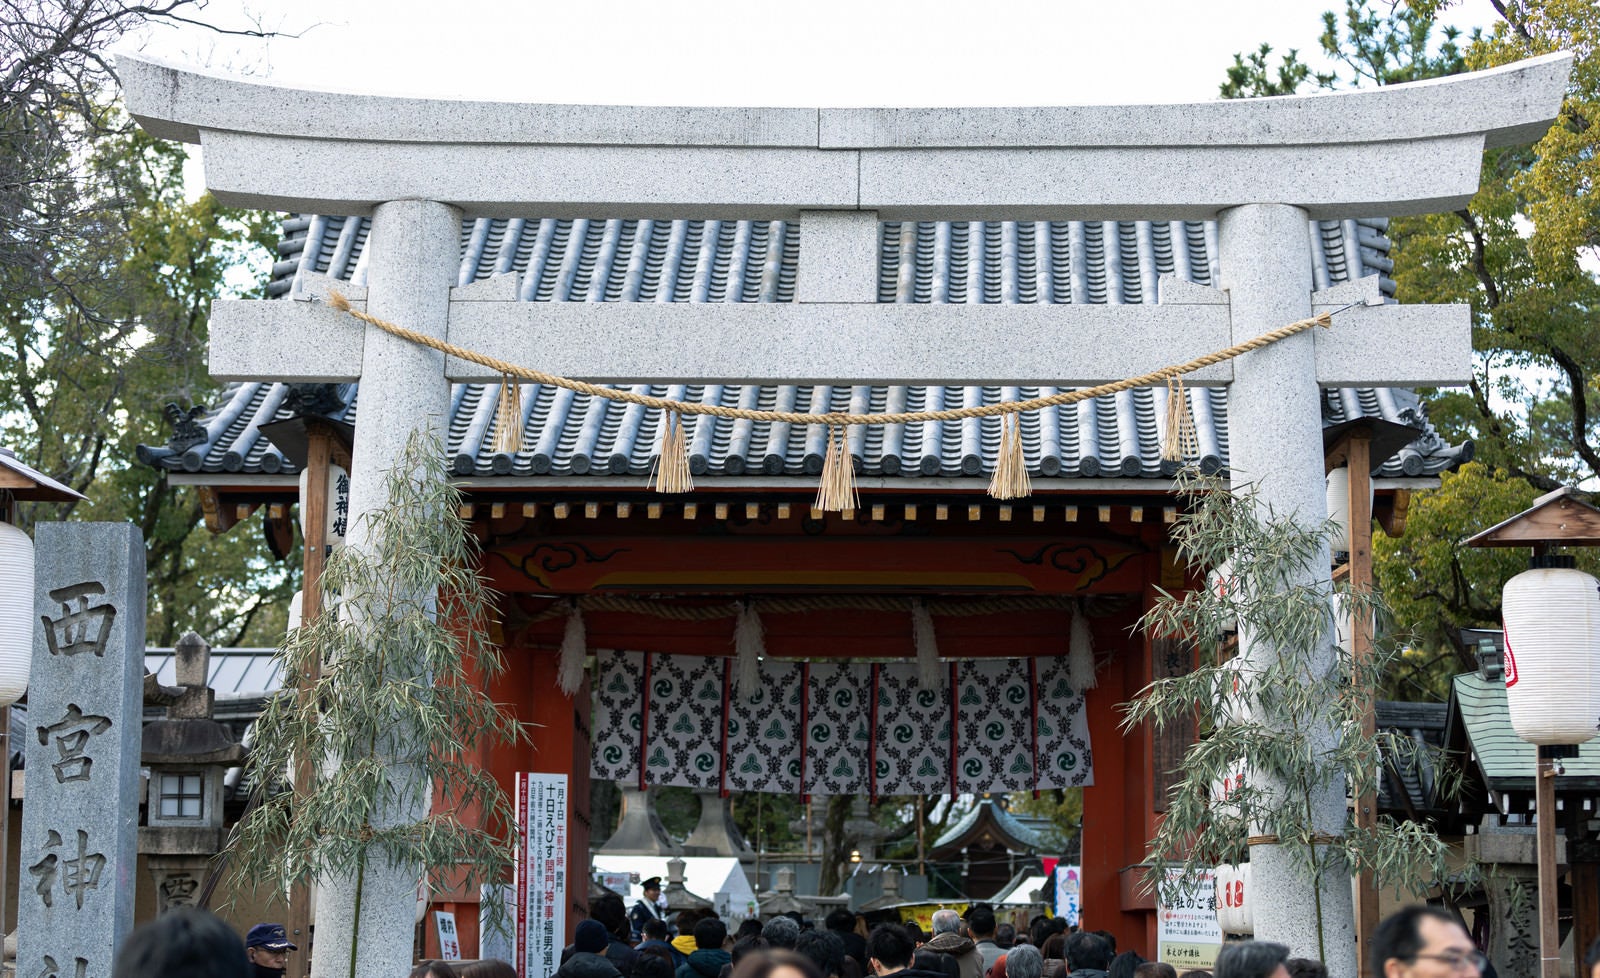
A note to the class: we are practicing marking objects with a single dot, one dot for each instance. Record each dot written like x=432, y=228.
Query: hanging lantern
x=1552, y=638
x=338, y=506
x=1339, y=507
x=1234, y=914
x=16, y=612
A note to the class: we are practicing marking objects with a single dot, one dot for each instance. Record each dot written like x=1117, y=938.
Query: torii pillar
x=1261, y=167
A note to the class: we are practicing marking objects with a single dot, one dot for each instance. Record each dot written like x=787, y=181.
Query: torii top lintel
x=1401, y=149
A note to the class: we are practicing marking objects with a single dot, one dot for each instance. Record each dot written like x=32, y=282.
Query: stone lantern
x=187, y=754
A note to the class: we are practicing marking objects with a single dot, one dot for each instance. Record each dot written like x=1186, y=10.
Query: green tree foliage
x=1522, y=255
x=396, y=712
x=107, y=272
x=1279, y=733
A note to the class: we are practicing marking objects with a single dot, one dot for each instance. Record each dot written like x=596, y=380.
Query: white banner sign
x=541, y=873
x=1069, y=892
x=1187, y=933
x=444, y=923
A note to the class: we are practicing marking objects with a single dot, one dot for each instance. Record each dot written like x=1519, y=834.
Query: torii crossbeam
x=1262, y=168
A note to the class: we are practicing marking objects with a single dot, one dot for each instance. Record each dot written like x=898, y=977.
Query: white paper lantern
x=1552, y=637
x=1339, y=506
x=1234, y=912
x=16, y=613
x=338, y=503
x=296, y=609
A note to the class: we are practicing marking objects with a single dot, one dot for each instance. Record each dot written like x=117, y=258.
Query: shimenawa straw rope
x=672, y=473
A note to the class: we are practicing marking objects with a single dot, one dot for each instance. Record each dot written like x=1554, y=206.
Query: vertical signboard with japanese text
x=85, y=713
x=1187, y=933
x=541, y=873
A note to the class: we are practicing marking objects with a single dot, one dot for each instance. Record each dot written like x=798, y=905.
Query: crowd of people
x=1416, y=942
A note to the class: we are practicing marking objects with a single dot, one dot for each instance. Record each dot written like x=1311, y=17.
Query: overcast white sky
x=761, y=52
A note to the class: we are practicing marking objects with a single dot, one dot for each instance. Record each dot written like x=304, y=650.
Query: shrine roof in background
x=988, y=824
x=576, y=440
x=1504, y=762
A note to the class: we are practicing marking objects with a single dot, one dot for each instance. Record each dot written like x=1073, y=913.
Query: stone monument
x=85, y=711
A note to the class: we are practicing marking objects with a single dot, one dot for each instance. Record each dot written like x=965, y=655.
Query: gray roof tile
x=570, y=435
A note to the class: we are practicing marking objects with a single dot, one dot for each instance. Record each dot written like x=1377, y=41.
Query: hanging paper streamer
x=749, y=644
x=1064, y=759
x=618, y=715
x=764, y=732
x=926, y=640
x=574, y=648
x=1080, y=651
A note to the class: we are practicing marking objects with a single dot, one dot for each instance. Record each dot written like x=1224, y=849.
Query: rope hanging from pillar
x=837, y=492
x=574, y=647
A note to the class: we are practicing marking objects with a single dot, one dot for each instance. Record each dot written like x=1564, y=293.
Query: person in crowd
x=1088, y=955
x=646, y=907
x=488, y=968
x=1005, y=935
x=433, y=969
x=1109, y=938
x=781, y=933
x=890, y=951
x=842, y=922
x=748, y=927
x=980, y=927
x=1124, y=964
x=1155, y=969
x=684, y=944
x=1196, y=973
x=948, y=940
x=654, y=936
x=826, y=950
x=1306, y=968
x=1591, y=960
x=709, y=956
x=1024, y=961
x=776, y=964
x=1252, y=959
x=183, y=943
x=653, y=964
x=267, y=947
x=1054, y=952
x=613, y=917
x=1423, y=942
x=587, y=959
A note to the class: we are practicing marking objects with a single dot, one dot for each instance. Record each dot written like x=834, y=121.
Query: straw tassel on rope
x=1179, y=441
x=508, y=416
x=926, y=640
x=749, y=645
x=574, y=648
x=1080, y=652
x=672, y=465
x=837, y=491
x=1010, y=479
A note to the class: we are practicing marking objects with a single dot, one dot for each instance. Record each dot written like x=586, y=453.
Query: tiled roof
x=572, y=435
x=1009, y=829
x=1506, y=761
x=1410, y=779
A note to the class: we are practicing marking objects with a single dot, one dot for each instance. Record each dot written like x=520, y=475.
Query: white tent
x=719, y=879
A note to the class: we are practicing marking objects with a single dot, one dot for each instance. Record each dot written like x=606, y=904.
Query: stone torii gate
x=1261, y=168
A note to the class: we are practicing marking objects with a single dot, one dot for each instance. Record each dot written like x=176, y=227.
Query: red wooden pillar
x=558, y=744
x=1117, y=818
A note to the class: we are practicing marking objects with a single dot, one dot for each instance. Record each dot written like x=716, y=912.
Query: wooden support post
x=314, y=516
x=1549, y=894
x=1359, y=506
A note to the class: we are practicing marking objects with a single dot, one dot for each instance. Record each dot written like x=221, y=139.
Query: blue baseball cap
x=270, y=936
